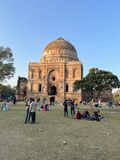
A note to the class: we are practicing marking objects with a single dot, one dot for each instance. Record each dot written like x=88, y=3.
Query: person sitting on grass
x=86, y=115
x=96, y=116
x=41, y=107
x=78, y=114
x=45, y=108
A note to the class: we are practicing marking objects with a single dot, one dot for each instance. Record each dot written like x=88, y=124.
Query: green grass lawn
x=85, y=140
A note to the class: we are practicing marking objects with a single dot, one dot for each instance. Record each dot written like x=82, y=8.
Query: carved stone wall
x=21, y=89
x=54, y=76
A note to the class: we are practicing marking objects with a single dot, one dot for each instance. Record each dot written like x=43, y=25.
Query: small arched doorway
x=53, y=90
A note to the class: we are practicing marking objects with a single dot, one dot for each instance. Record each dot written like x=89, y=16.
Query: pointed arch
x=74, y=72
x=40, y=74
x=31, y=87
x=39, y=88
x=53, y=90
x=66, y=72
x=32, y=73
x=66, y=88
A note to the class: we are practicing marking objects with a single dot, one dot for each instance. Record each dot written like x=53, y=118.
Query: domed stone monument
x=54, y=75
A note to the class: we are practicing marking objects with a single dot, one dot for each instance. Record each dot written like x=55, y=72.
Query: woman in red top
x=78, y=115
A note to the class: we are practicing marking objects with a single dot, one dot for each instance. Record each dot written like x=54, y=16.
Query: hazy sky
x=92, y=26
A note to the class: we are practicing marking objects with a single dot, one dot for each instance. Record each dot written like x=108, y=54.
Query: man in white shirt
x=32, y=109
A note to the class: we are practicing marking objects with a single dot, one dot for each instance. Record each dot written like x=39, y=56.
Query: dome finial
x=60, y=38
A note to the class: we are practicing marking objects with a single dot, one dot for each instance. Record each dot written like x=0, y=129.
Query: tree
x=6, y=91
x=7, y=69
x=96, y=82
x=116, y=96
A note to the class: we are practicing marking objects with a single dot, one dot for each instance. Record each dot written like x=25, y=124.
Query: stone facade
x=54, y=75
x=21, y=89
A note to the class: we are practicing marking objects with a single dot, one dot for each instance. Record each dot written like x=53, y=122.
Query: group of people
x=69, y=106
x=31, y=106
x=43, y=106
x=96, y=116
x=72, y=104
x=30, y=111
x=74, y=111
x=5, y=105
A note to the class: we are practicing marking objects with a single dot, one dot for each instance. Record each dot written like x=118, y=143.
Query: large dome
x=60, y=49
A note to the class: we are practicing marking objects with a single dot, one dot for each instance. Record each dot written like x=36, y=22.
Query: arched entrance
x=53, y=90
x=52, y=85
x=52, y=100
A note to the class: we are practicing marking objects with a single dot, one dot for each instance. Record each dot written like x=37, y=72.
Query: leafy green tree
x=116, y=96
x=7, y=91
x=96, y=82
x=7, y=69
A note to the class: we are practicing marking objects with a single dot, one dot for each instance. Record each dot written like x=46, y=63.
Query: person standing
x=33, y=106
x=110, y=103
x=65, y=108
x=44, y=100
x=27, y=113
x=72, y=108
x=75, y=103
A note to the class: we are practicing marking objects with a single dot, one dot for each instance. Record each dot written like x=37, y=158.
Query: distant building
x=21, y=89
x=105, y=96
x=54, y=75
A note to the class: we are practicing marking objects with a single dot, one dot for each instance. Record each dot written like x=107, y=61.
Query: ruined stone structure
x=54, y=75
x=105, y=96
x=21, y=89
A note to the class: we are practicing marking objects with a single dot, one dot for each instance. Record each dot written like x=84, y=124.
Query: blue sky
x=92, y=26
